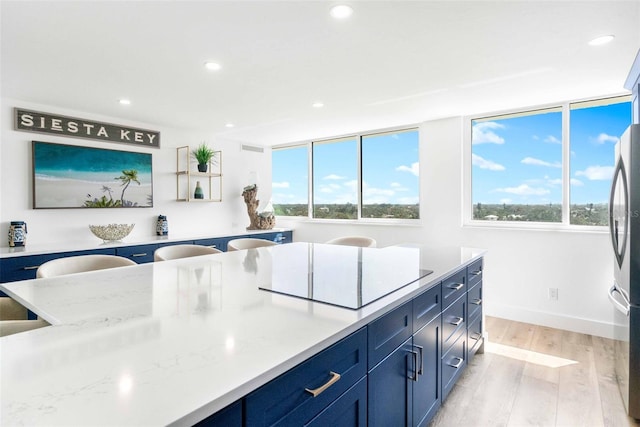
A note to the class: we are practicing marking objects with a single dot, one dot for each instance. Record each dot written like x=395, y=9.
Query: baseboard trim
x=552, y=320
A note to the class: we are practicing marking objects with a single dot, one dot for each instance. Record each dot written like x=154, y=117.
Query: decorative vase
x=17, y=233
x=198, y=194
x=202, y=167
x=162, y=226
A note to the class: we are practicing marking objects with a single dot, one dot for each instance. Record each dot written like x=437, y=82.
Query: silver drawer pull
x=31, y=267
x=458, y=364
x=421, y=356
x=477, y=301
x=476, y=336
x=456, y=286
x=457, y=321
x=414, y=377
x=317, y=391
x=139, y=255
x=212, y=246
x=476, y=273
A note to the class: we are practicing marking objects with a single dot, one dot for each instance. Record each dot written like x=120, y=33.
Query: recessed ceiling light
x=124, y=102
x=601, y=40
x=317, y=105
x=212, y=66
x=341, y=11
x=229, y=125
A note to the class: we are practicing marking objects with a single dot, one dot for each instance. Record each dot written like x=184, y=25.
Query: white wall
x=49, y=226
x=520, y=264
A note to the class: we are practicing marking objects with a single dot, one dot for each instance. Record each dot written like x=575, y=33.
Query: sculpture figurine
x=259, y=221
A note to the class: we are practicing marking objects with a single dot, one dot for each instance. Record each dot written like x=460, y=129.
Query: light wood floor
x=536, y=376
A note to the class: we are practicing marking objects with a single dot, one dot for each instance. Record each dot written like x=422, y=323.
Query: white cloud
x=413, y=169
x=483, y=133
x=284, y=184
x=552, y=140
x=576, y=182
x=537, y=162
x=398, y=187
x=523, y=190
x=603, y=137
x=597, y=173
x=334, y=177
x=485, y=164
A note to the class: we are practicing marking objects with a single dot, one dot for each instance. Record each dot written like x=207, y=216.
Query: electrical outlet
x=553, y=294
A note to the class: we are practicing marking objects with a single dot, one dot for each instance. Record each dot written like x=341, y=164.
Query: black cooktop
x=343, y=276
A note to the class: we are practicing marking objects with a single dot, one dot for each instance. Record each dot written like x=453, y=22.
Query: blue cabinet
x=298, y=396
x=25, y=267
x=139, y=253
x=231, y=416
x=350, y=410
x=216, y=242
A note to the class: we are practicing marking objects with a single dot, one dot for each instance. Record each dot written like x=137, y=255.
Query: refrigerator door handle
x=622, y=307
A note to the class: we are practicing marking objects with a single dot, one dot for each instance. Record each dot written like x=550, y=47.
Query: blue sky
x=519, y=159
x=390, y=171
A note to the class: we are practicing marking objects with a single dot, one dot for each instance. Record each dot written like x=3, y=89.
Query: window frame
x=358, y=220
x=467, y=166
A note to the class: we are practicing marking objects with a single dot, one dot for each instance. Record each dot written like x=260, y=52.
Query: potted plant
x=203, y=155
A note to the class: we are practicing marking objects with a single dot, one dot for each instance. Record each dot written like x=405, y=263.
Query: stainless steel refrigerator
x=624, y=227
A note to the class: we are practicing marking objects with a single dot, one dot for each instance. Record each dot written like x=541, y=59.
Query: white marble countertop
x=170, y=343
x=29, y=249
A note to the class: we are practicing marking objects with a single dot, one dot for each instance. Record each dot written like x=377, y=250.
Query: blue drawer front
x=217, y=243
x=231, y=416
x=284, y=400
x=426, y=307
x=349, y=410
x=139, y=254
x=388, y=332
x=453, y=288
x=474, y=273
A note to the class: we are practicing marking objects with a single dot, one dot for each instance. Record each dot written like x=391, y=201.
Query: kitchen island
x=172, y=343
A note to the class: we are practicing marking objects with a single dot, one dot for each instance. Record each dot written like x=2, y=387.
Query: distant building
x=491, y=217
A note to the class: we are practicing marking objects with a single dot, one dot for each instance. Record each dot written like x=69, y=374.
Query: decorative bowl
x=111, y=232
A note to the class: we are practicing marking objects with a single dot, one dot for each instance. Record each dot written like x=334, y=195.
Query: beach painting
x=71, y=176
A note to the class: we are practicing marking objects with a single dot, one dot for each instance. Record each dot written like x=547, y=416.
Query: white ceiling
x=392, y=63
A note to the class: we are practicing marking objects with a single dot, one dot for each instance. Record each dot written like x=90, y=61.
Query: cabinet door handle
x=476, y=273
x=457, y=364
x=477, y=301
x=139, y=255
x=414, y=377
x=476, y=336
x=421, y=357
x=457, y=321
x=317, y=391
x=212, y=246
x=455, y=286
x=31, y=267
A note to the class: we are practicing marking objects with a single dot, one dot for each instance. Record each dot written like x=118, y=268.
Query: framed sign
x=33, y=121
x=70, y=176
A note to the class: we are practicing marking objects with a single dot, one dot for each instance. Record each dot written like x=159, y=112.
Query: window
x=524, y=170
x=368, y=176
x=390, y=175
x=595, y=128
x=335, y=182
x=290, y=181
x=517, y=167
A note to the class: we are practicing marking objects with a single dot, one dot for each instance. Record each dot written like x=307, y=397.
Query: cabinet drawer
x=217, y=243
x=474, y=272
x=474, y=299
x=453, y=322
x=453, y=363
x=426, y=307
x=388, y=332
x=25, y=267
x=286, y=401
x=453, y=287
x=139, y=254
x=474, y=336
x=349, y=410
x=231, y=416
